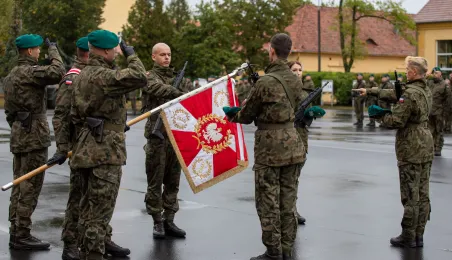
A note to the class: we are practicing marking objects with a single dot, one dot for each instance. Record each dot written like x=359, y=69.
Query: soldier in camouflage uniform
x=308, y=83
x=279, y=151
x=441, y=99
x=99, y=104
x=385, y=84
x=414, y=150
x=65, y=136
x=359, y=101
x=162, y=166
x=448, y=109
x=25, y=109
x=371, y=100
x=243, y=89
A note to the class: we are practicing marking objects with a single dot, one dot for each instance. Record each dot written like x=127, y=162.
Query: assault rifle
x=157, y=131
x=299, y=115
x=254, y=76
x=398, y=86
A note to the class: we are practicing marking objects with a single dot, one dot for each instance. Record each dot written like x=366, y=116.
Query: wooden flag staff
x=44, y=167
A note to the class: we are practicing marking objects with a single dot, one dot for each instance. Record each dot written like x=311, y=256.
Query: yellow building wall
x=333, y=63
x=428, y=34
x=115, y=14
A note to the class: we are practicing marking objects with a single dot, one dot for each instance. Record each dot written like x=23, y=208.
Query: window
x=444, y=54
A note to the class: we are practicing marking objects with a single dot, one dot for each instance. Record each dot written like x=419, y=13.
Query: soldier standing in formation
x=162, y=165
x=25, y=109
x=308, y=83
x=279, y=151
x=441, y=98
x=297, y=69
x=447, y=114
x=65, y=137
x=359, y=101
x=414, y=150
x=385, y=84
x=371, y=100
x=99, y=101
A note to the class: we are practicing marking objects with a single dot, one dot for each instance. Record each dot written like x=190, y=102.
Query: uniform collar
x=277, y=65
x=79, y=64
x=26, y=60
x=97, y=60
x=164, y=71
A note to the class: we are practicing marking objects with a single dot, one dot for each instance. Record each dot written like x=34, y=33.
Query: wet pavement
x=349, y=193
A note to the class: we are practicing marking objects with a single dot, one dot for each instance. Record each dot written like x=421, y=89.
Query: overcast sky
x=412, y=6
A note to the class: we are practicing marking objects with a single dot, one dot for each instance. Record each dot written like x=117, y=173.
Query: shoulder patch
x=401, y=99
x=68, y=82
x=73, y=71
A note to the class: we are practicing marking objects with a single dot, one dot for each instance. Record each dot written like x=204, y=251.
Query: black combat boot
x=95, y=256
x=28, y=243
x=159, y=231
x=437, y=153
x=371, y=124
x=113, y=249
x=70, y=252
x=402, y=241
x=301, y=220
x=172, y=230
x=287, y=256
x=267, y=256
x=420, y=241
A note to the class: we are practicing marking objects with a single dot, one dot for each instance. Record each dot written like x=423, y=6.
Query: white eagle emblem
x=212, y=133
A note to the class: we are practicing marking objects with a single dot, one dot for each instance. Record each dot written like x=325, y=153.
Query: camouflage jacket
x=268, y=103
x=357, y=85
x=387, y=85
x=303, y=131
x=159, y=90
x=99, y=91
x=64, y=131
x=25, y=91
x=441, y=96
x=371, y=84
x=309, y=85
x=414, y=142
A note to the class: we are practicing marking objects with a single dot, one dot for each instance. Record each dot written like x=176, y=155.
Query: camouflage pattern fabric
x=243, y=89
x=414, y=142
x=308, y=85
x=447, y=115
x=414, y=193
x=384, y=103
x=441, y=99
x=371, y=100
x=25, y=91
x=100, y=186
x=268, y=103
x=276, y=194
x=359, y=101
x=162, y=166
x=24, y=197
x=278, y=155
x=99, y=91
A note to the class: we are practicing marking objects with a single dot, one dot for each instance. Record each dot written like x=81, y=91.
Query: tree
x=179, y=13
x=352, y=11
x=6, y=15
x=207, y=43
x=63, y=21
x=147, y=25
x=256, y=21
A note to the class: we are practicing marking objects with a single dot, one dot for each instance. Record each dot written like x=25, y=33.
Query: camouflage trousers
x=359, y=108
x=69, y=235
x=414, y=193
x=162, y=169
x=436, y=126
x=100, y=186
x=276, y=194
x=24, y=197
x=369, y=102
x=301, y=167
x=447, y=122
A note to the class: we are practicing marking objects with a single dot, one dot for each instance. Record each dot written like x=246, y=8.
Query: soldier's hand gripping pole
x=136, y=120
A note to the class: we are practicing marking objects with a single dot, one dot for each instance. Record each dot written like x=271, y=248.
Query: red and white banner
x=210, y=149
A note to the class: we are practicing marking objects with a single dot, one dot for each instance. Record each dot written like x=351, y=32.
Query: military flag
x=210, y=149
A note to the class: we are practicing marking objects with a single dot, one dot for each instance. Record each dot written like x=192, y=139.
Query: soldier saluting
x=99, y=103
x=25, y=109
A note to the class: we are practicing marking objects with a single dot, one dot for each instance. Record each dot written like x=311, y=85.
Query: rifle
x=254, y=76
x=299, y=115
x=398, y=86
x=158, y=124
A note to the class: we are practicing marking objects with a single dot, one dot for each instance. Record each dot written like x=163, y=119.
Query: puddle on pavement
x=246, y=199
x=55, y=222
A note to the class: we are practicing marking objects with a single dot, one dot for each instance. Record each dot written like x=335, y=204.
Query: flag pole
x=134, y=121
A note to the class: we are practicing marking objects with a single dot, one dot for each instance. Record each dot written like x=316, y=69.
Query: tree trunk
x=342, y=36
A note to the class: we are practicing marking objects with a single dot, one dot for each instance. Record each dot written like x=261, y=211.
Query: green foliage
x=6, y=14
x=343, y=83
x=148, y=24
x=179, y=13
x=351, y=11
x=63, y=21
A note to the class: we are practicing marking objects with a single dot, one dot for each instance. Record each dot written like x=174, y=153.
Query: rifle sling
x=286, y=88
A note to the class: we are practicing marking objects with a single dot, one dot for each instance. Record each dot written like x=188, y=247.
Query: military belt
x=33, y=117
x=264, y=126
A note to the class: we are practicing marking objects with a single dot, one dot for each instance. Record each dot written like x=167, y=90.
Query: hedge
x=343, y=82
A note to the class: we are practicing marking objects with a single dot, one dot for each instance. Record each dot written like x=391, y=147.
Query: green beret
x=359, y=74
x=308, y=75
x=399, y=76
x=376, y=111
x=82, y=43
x=371, y=75
x=28, y=41
x=385, y=75
x=103, y=39
x=436, y=69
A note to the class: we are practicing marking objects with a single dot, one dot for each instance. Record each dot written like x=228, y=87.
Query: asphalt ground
x=349, y=194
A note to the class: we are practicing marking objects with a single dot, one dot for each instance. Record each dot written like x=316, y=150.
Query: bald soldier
x=25, y=109
x=162, y=166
